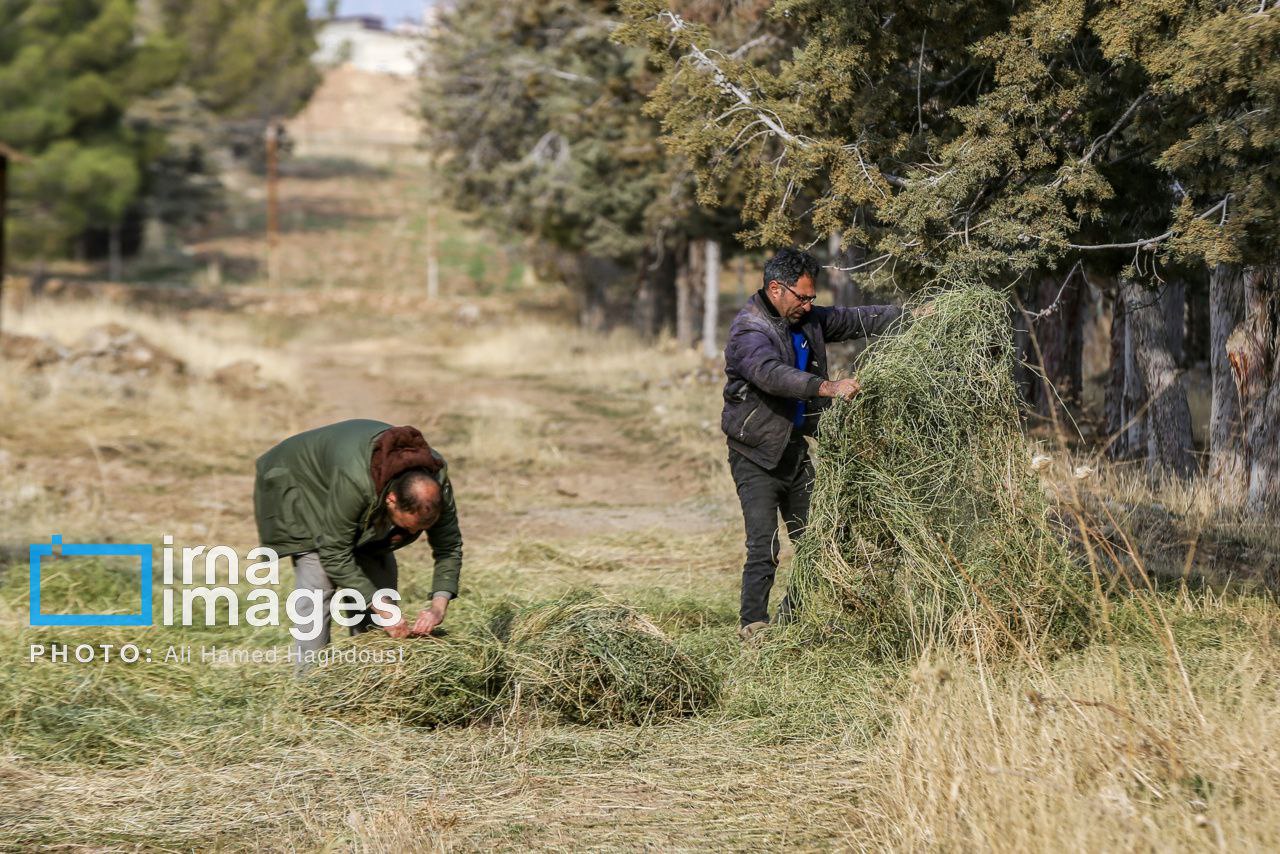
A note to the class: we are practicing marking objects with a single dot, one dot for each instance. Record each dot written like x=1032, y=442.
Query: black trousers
x=764, y=494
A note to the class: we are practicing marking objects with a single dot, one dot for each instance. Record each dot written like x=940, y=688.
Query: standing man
x=341, y=500
x=776, y=368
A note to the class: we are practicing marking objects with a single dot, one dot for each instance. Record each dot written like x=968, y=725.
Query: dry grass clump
x=204, y=341
x=589, y=660
x=425, y=682
x=1111, y=749
x=926, y=525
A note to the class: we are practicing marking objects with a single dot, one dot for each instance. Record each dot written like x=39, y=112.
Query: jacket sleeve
x=343, y=514
x=445, y=537
x=756, y=359
x=841, y=323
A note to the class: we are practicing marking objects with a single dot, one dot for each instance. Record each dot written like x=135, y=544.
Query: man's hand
x=844, y=389
x=429, y=618
x=923, y=310
x=397, y=630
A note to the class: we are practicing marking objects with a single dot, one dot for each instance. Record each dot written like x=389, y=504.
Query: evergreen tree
x=68, y=71
x=537, y=116
x=119, y=103
x=248, y=60
x=1134, y=141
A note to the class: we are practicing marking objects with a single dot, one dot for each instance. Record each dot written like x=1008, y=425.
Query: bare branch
x=767, y=38
x=880, y=259
x=1149, y=241
x=706, y=63
x=1053, y=306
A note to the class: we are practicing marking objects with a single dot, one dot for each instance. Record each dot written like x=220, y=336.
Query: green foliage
x=536, y=113
x=68, y=71
x=539, y=113
x=429, y=682
x=589, y=660
x=247, y=59
x=114, y=103
x=986, y=140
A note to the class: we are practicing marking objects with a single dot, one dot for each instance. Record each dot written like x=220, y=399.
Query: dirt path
x=602, y=479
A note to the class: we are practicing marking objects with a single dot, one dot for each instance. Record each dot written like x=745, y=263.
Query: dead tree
x=1226, y=434
x=1253, y=350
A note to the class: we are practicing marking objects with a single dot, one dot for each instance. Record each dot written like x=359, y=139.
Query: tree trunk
x=1114, y=398
x=844, y=290
x=1198, y=324
x=593, y=313
x=1169, y=446
x=155, y=236
x=1024, y=371
x=591, y=276
x=1173, y=304
x=115, y=264
x=840, y=279
x=656, y=294
x=1226, y=437
x=1060, y=338
x=688, y=285
x=711, y=299
x=1135, y=393
x=1125, y=402
x=1253, y=349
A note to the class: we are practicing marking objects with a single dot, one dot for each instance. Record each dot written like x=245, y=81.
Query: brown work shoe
x=750, y=630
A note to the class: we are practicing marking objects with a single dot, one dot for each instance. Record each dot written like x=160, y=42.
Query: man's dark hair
x=406, y=486
x=788, y=266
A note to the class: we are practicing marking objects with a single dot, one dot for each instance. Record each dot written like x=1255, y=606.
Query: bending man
x=341, y=500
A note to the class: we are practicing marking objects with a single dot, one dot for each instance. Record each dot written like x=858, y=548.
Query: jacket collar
x=771, y=314
x=768, y=304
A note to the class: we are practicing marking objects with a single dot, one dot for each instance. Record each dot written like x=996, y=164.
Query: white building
x=366, y=106
x=364, y=42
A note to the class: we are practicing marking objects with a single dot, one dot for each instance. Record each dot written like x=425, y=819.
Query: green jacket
x=314, y=492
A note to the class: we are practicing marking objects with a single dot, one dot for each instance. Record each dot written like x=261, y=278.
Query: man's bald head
x=415, y=499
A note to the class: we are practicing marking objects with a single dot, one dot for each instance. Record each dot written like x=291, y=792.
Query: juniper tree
x=536, y=116
x=1001, y=143
x=244, y=64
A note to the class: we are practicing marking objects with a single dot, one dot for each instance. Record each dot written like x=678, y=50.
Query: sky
x=391, y=11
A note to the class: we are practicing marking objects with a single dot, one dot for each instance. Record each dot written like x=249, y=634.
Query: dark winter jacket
x=325, y=491
x=762, y=383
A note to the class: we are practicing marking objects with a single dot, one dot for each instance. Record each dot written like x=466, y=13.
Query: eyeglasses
x=804, y=300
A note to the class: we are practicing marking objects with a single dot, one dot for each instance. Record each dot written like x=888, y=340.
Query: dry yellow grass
x=1093, y=757
x=204, y=341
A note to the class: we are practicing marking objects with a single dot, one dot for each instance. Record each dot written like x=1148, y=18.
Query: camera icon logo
x=142, y=551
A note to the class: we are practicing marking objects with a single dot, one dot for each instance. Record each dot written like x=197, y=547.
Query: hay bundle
x=597, y=662
x=421, y=682
x=926, y=524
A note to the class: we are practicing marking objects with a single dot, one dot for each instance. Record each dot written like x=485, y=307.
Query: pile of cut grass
x=582, y=659
x=427, y=682
x=927, y=527
x=590, y=660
